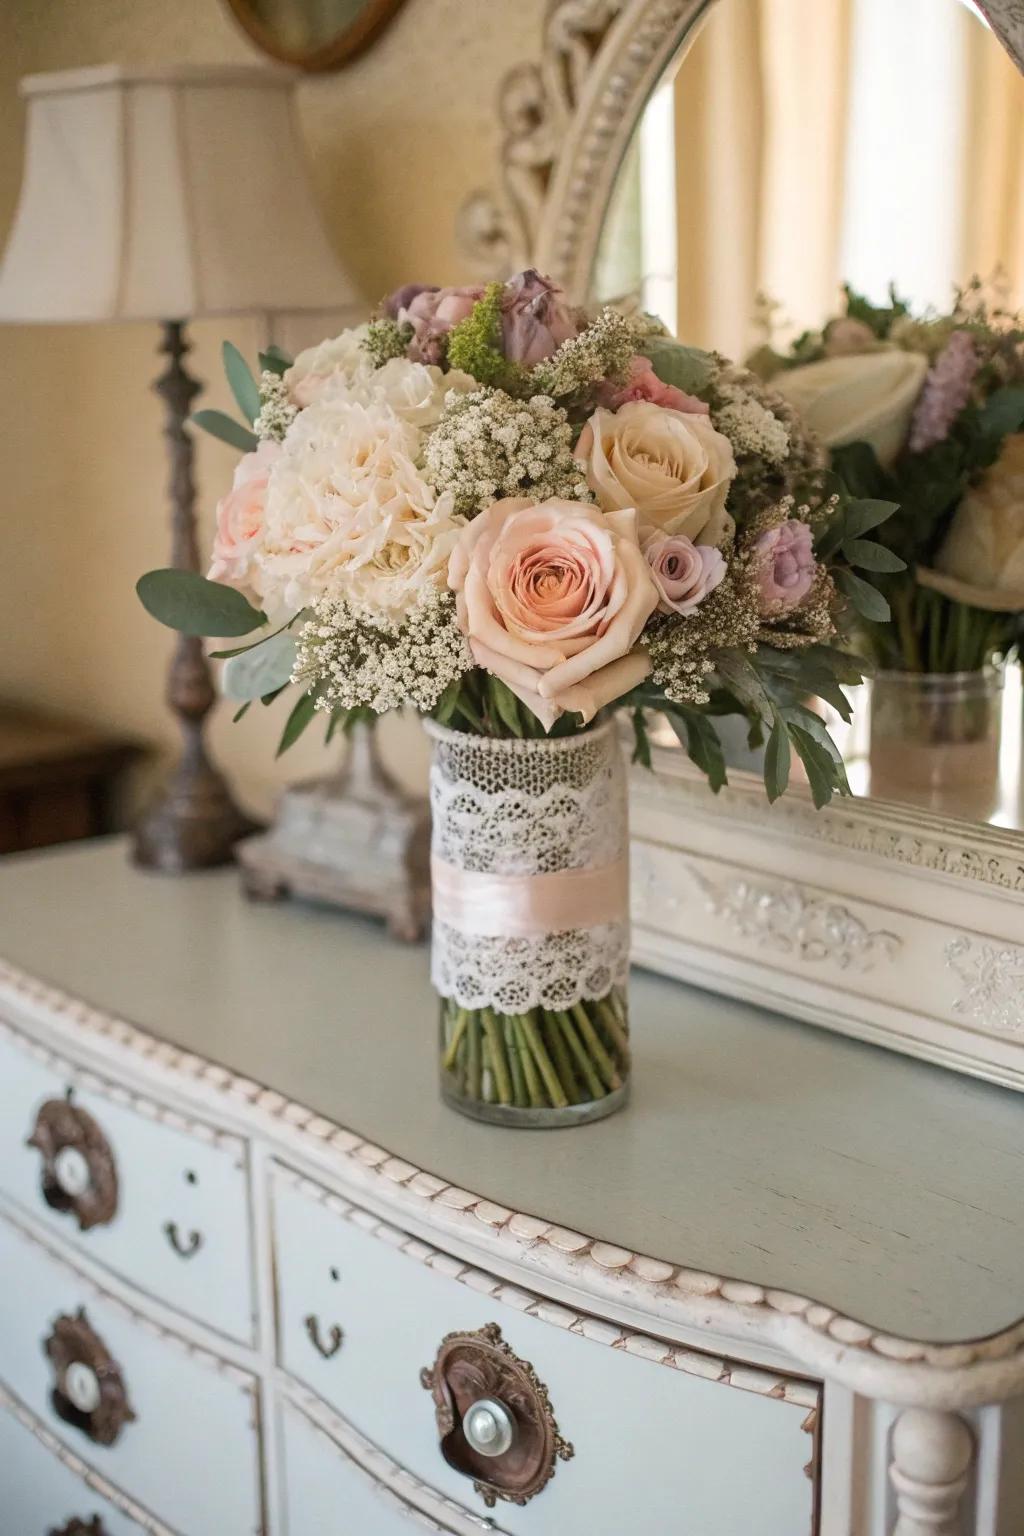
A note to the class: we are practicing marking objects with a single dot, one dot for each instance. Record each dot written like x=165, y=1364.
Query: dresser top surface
x=754, y=1146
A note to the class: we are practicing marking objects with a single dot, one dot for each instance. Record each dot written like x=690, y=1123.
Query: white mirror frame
x=891, y=924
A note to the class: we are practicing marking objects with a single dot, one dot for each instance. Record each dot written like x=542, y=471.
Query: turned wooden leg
x=931, y=1456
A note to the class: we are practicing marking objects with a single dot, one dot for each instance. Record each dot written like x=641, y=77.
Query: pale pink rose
x=431, y=312
x=536, y=318
x=786, y=566
x=239, y=532
x=684, y=572
x=643, y=384
x=553, y=597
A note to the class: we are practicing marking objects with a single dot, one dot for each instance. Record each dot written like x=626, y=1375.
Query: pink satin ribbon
x=526, y=906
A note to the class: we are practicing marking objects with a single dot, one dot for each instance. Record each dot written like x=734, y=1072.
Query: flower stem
x=533, y=1082
x=515, y=1062
x=499, y=1062
x=602, y=1061
x=556, y=1093
x=583, y=1061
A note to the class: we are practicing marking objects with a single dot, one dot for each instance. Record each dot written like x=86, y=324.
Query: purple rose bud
x=683, y=572
x=536, y=318
x=786, y=566
x=431, y=312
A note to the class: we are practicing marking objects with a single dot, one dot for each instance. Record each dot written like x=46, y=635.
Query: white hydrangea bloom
x=339, y=357
x=414, y=391
x=349, y=514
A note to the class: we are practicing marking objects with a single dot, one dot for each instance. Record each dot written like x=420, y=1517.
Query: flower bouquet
x=508, y=515
x=928, y=411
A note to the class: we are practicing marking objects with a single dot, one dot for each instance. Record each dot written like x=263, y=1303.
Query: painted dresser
x=255, y=1278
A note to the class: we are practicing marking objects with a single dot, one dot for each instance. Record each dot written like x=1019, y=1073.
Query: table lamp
x=145, y=196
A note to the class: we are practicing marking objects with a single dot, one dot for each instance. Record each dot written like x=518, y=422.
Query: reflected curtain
x=790, y=179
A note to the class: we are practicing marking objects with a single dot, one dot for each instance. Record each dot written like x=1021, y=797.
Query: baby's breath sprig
x=600, y=353
x=276, y=412
x=386, y=339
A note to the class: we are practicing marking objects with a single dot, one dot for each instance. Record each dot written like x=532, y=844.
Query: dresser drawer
x=321, y=1480
x=170, y=1424
x=42, y=1496
x=161, y=1201
x=363, y=1309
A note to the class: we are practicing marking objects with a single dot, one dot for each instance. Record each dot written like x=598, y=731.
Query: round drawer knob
x=489, y=1428
x=71, y=1172
x=81, y=1387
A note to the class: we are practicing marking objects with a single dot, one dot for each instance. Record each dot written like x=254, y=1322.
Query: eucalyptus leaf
x=261, y=669
x=871, y=556
x=818, y=766
x=240, y=712
x=273, y=360
x=866, y=513
x=687, y=368
x=189, y=603
x=297, y=722
x=739, y=676
x=867, y=600
x=243, y=386
x=1003, y=412
x=226, y=428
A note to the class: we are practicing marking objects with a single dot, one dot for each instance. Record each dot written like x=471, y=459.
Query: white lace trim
x=523, y=808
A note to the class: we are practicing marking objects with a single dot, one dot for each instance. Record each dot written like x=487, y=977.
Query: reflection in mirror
x=795, y=146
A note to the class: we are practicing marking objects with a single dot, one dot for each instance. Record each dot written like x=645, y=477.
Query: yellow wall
x=396, y=141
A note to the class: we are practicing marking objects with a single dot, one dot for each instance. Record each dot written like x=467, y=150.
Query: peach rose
x=642, y=383
x=552, y=597
x=240, y=517
x=674, y=468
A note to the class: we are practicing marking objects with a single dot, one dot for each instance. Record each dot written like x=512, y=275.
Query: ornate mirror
x=730, y=165
x=314, y=35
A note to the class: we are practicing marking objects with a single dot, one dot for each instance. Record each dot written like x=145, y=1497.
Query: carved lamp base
x=356, y=840
x=194, y=825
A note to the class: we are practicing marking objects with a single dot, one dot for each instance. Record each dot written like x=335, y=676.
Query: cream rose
x=981, y=561
x=341, y=356
x=674, y=468
x=866, y=398
x=240, y=517
x=552, y=597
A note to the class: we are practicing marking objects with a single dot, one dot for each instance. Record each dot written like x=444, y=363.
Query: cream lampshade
x=170, y=195
x=166, y=194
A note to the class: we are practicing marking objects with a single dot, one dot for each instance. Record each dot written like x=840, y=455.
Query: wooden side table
x=57, y=778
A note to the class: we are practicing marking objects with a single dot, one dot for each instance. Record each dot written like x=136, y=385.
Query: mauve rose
x=553, y=598
x=684, y=572
x=786, y=566
x=643, y=384
x=431, y=312
x=536, y=318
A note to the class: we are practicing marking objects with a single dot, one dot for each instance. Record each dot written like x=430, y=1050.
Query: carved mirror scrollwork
x=494, y=1417
x=313, y=35
x=88, y=1388
x=78, y=1173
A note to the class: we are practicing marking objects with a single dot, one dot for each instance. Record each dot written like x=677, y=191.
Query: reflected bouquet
x=927, y=411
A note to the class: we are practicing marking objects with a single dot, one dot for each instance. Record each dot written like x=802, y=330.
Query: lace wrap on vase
x=515, y=809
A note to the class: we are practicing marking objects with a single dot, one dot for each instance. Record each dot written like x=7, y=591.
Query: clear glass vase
x=530, y=949
x=935, y=738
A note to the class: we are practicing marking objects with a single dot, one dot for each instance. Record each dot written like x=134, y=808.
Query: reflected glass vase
x=935, y=738
x=530, y=947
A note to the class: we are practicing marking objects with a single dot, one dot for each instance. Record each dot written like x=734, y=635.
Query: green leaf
x=447, y=704
x=268, y=698
x=699, y=737
x=642, y=742
x=871, y=556
x=858, y=468
x=807, y=723
x=867, y=600
x=273, y=360
x=260, y=669
x=777, y=759
x=819, y=767
x=739, y=676
x=687, y=368
x=243, y=386
x=296, y=723
x=240, y=712
x=866, y=513
x=189, y=603
x=506, y=704
x=226, y=428
x=1003, y=412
